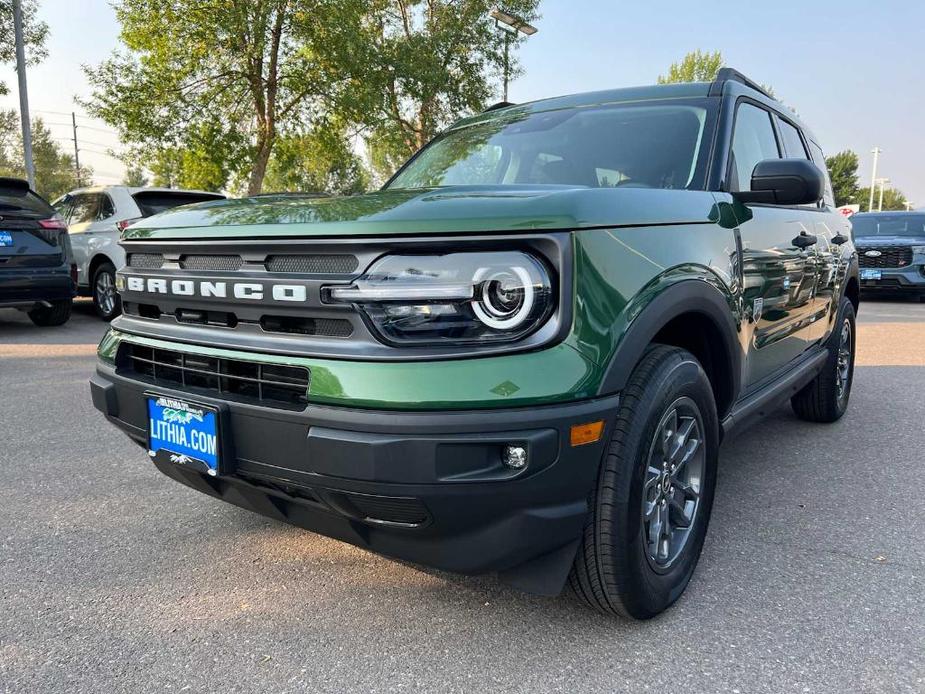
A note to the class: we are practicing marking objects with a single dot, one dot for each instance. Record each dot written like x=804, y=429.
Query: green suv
x=520, y=356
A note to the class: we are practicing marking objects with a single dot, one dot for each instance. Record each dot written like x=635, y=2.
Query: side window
x=828, y=197
x=106, y=208
x=752, y=141
x=83, y=209
x=790, y=138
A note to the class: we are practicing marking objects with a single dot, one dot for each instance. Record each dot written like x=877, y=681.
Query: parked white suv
x=96, y=217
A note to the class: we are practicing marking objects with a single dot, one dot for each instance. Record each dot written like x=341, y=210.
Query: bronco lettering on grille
x=219, y=289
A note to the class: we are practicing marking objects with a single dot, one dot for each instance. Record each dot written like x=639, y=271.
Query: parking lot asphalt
x=113, y=578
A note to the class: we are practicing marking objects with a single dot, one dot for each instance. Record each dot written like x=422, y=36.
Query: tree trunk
x=259, y=170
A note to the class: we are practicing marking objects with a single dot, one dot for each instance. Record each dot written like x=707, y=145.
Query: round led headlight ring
x=500, y=305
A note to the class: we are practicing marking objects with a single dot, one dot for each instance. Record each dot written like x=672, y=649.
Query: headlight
x=918, y=250
x=458, y=297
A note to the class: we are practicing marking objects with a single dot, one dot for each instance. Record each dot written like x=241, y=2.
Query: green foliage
x=893, y=199
x=696, y=66
x=415, y=66
x=843, y=170
x=135, y=176
x=35, y=33
x=54, y=169
x=320, y=161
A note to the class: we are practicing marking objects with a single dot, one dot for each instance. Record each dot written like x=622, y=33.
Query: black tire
x=825, y=398
x=106, y=301
x=615, y=571
x=47, y=316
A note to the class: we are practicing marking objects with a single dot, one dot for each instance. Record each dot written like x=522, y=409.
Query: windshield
x=641, y=145
x=888, y=225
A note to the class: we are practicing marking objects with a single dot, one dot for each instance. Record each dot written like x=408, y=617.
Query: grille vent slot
x=313, y=264
x=225, y=263
x=146, y=261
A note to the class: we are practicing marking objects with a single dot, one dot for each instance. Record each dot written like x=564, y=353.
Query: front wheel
x=651, y=506
x=105, y=298
x=825, y=398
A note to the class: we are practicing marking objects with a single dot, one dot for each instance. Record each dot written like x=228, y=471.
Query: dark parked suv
x=520, y=356
x=891, y=252
x=37, y=273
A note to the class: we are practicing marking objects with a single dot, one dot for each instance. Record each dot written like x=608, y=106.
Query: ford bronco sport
x=520, y=356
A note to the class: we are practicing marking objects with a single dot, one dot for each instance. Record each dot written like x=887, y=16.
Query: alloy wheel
x=673, y=483
x=105, y=292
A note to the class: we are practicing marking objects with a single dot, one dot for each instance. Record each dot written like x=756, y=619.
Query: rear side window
x=152, y=202
x=793, y=143
x=106, y=209
x=819, y=160
x=753, y=141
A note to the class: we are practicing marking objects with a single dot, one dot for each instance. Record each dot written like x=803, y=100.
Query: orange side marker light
x=582, y=434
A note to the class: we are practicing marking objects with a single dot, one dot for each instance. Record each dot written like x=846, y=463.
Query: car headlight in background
x=489, y=297
x=918, y=250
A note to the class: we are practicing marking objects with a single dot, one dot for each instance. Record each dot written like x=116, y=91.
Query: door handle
x=839, y=239
x=804, y=240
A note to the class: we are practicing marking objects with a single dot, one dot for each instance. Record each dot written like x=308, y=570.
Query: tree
x=415, y=66
x=234, y=71
x=135, y=177
x=696, y=66
x=893, y=199
x=843, y=170
x=54, y=169
x=35, y=32
x=319, y=161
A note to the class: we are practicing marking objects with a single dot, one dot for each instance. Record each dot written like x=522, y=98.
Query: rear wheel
x=57, y=314
x=105, y=298
x=825, y=399
x=652, y=503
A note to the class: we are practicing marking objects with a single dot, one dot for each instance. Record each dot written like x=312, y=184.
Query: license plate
x=183, y=433
x=868, y=274
x=6, y=238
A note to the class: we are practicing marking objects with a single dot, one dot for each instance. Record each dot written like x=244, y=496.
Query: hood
x=870, y=241
x=457, y=209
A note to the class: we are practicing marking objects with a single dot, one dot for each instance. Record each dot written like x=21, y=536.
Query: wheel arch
x=95, y=262
x=695, y=315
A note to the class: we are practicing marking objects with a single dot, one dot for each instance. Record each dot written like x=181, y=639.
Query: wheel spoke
x=667, y=434
x=679, y=512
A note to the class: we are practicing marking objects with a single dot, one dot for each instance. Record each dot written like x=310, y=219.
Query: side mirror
x=784, y=182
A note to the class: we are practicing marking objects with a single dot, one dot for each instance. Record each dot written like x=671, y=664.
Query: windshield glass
x=641, y=145
x=888, y=225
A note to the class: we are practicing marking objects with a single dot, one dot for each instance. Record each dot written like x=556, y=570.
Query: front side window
x=752, y=142
x=819, y=160
x=641, y=145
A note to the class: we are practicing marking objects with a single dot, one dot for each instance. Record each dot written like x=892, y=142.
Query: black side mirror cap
x=784, y=182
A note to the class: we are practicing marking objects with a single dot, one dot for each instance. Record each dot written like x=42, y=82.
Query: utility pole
x=873, y=179
x=23, y=93
x=76, y=155
x=882, y=182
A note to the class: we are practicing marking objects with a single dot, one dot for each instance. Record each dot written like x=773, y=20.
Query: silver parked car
x=96, y=217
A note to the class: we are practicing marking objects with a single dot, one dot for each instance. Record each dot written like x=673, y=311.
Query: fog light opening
x=514, y=457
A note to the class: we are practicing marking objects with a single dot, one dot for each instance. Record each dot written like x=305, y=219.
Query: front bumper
x=907, y=279
x=28, y=287
x=426, y=487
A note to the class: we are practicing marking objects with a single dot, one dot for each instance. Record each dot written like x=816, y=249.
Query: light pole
x=510, y=24
x=873, y=179
x=23, y=93
x=882, y=182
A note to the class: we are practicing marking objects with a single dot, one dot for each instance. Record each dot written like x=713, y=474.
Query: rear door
x=779, y=277
x=30, y=237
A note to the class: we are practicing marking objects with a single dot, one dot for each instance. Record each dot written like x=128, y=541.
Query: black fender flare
x=685, y=296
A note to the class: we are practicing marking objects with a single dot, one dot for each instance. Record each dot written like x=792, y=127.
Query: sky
x=854, y=71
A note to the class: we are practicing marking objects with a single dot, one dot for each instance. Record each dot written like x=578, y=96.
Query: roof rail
x=728, y=74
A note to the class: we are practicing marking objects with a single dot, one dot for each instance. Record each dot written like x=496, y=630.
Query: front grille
x=146, y=261
x=890, y=256
x=265, y=384
x=313, y=264
x=319, y=327
x=225, y=263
